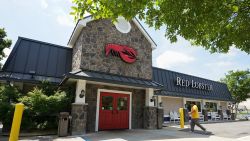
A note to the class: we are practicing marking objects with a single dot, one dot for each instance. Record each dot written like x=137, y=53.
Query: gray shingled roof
x=113, y=79
x=32, y=60
x=168, y=79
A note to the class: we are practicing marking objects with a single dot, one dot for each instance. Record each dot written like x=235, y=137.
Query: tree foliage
x=42, y=106
x=42, y=109
x=238, y=83
x=8, y=96
x=4, y=43
x=216, y=25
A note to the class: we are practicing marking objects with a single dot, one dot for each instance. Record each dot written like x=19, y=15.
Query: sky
x=49, y=21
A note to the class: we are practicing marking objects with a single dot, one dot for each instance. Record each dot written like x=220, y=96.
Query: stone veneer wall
x=160, y=114
x=76, y=56
x=79, y=118
x=89, y=50
x=138, y=102
x=150, y=117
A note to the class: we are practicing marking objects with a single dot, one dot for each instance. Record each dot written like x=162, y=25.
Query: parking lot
x=219, y=131
x=229, y=131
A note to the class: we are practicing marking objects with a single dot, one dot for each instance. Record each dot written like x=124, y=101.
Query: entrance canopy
x=112, y=78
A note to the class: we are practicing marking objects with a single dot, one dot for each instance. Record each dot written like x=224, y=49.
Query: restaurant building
x=110, y=67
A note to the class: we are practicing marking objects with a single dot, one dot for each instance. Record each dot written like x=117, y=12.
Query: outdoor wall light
x=32, y=73
x=82, y=94
x=160, y=104
x=152, y=99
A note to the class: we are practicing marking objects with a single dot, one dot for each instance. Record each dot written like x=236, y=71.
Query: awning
x=112, y=79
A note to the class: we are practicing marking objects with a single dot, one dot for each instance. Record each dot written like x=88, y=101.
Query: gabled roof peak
x=82, y=23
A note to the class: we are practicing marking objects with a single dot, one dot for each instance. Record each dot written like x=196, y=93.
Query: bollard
x=16, y=123
x=181, y=117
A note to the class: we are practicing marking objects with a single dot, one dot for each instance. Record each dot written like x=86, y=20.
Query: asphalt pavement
x=230, y=131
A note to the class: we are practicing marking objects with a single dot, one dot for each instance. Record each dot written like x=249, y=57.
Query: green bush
x=43, y=109
x=8, y=97
x=41, y=106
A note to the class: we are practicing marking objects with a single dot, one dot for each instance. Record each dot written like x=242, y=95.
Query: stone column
x=159, y=101
x=79, y=110
x=80, y=89
x=149, y=97
x=150, y=117
x=160, y=117
x=79, y=118
x=150, y=111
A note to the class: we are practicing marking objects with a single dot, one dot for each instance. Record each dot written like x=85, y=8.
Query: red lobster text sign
x=127, y=54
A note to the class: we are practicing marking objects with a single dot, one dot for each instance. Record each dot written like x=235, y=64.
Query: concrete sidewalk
x=236, y=131
x=166, y=134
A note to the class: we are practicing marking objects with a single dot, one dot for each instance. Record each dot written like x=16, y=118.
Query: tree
x=4, y=43
x=216, y=25
x=238, y=83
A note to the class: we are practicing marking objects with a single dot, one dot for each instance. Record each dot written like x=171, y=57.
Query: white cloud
x=231, y=53
x=44, y=4
x=65, y=19
x=170, y=59
x=7, y=53
x=220, y=64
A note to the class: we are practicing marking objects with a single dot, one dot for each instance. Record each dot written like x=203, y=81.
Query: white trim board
x=82, y=23
x=98, y=103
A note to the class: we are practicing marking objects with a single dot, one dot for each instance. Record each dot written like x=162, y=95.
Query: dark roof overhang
x=28, y=78
x=190, y=95
x=168, y=79
x=111, y=79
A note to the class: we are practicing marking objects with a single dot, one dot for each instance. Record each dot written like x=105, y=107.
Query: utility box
x=63, y=124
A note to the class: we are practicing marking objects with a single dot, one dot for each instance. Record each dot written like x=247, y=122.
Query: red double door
x=113, y=111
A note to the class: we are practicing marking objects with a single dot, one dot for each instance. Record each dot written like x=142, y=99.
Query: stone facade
x=138, y=102
x=89, y=50
x=150, y=117
x=160, y=114
x=79, y=118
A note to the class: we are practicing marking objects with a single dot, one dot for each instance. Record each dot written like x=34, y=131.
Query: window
x=107, y=103
x=197, y=103
x=122, y=103
x=211, y=106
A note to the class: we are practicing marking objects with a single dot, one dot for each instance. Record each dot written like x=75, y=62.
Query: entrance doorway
x=114, y=111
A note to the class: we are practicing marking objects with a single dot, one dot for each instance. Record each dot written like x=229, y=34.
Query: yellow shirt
x=195, y=113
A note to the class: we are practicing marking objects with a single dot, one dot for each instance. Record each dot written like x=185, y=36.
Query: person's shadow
x=198, y=132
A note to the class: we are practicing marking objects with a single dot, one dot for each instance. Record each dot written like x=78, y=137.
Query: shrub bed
x=42, y=106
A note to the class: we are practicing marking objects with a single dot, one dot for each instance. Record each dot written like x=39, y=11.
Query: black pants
x=194, y=122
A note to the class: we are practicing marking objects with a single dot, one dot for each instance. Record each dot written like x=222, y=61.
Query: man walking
x=195, y=117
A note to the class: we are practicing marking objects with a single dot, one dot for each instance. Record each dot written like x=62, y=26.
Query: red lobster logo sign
x=126, y=53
